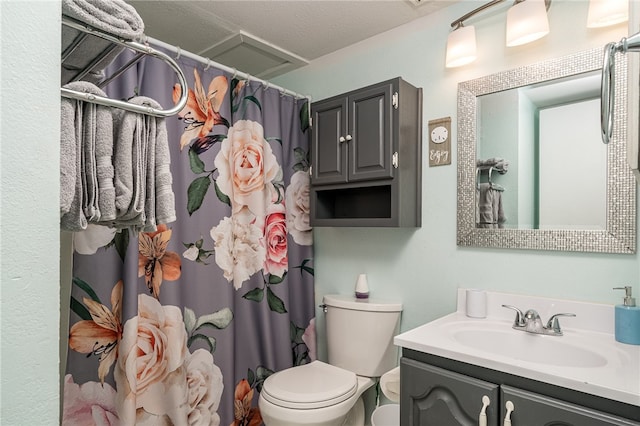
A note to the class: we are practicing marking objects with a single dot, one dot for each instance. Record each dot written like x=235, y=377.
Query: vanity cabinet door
x=533, y=409
x=431, y=396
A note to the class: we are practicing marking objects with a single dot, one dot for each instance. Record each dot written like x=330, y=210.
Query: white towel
x=114, y=17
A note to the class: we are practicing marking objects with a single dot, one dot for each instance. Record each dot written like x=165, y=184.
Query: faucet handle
x=554, y=324
x=519, y=321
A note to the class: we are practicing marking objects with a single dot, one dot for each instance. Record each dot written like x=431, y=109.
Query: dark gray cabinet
x=532, y=409
x=366, y=157
x=435, y=396
x=431, y=396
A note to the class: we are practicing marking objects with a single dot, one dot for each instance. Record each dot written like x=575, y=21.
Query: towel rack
x=142, y=50
x=480, y=169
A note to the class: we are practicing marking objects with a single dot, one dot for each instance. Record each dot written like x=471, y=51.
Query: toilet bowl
x=315, y=394
x=360, y=348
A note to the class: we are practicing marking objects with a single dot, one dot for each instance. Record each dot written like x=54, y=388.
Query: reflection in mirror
x=532, y=171
x=555, y=128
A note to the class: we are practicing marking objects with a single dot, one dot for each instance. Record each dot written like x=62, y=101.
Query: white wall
x=424, y=267
x=29, y=221
x=573, y=200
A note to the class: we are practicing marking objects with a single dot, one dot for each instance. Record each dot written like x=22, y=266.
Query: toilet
x=360, y=349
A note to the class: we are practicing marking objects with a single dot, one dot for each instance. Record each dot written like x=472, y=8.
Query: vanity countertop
x=586, y=358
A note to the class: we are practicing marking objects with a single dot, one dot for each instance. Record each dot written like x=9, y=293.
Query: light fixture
x=526, y=22
x=603, y=13
x=461, y=46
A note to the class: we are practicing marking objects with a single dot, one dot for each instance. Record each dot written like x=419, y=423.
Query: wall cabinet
x=366, y=157
x=433, y=396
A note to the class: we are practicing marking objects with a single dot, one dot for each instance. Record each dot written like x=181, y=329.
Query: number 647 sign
x=440, y=142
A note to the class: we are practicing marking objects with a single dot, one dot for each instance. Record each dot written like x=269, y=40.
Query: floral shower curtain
x=182, y=325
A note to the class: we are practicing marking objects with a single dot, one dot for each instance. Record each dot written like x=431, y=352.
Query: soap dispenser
x=627, y=319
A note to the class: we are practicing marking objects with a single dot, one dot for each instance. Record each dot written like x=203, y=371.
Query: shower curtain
x=182, y=325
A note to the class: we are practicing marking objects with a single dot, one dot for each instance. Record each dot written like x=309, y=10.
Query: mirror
x=532, y=170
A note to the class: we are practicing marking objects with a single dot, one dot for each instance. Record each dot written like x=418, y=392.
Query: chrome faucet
x=531, y=322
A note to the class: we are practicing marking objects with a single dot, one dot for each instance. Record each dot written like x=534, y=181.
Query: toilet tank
x=360, y=334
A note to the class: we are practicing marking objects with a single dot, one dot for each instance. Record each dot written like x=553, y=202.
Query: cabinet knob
x=342, y=139
x=349, y=138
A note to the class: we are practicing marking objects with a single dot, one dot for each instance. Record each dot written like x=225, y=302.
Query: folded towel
x=114, y=17
x=499, y=164
x=144, y=196
x=130, y=167
x=69, y=159
x=71, y=215
x=489, y=209
x=165, y=211
x=89, y=128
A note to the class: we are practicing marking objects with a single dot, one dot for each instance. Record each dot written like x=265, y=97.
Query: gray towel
x=489, y=210
x=160, y=196
x=72, y=217
x=92, y=127
x=130, y=167
x=151, y=178
x=69, y=159
x=114, y=17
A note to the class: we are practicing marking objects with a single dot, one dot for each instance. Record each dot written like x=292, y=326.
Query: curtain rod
x=206, y=61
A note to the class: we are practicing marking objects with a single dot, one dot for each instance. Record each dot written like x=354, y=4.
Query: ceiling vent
x=253, y=56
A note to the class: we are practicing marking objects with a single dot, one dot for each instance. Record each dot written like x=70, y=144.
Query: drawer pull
x=482, y=420
x=507, y=417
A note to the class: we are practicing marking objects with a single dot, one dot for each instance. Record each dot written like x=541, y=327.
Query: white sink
x=520, y=345
x=586, y=358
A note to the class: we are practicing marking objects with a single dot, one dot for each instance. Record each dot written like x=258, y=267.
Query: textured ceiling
x=269, y=37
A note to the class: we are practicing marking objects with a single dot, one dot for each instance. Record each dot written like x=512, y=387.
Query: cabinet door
x=328, y=152
x=533, y=409
x=371, y=132
x=431, y=396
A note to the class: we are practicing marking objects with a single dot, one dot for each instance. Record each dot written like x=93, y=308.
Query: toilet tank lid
x=351, y=302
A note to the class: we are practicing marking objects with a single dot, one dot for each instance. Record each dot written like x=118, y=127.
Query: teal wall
x=424, y=267
x=421, y=267
x=29, y=212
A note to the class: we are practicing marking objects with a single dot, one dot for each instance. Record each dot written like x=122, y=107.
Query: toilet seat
x=314, y=385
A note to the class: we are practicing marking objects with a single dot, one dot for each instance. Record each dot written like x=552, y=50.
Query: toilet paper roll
x=476, y=303
x=390, y=384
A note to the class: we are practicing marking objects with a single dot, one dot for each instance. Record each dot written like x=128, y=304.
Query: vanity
x=450, y=366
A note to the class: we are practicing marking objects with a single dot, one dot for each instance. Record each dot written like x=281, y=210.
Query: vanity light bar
x=527, y=21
